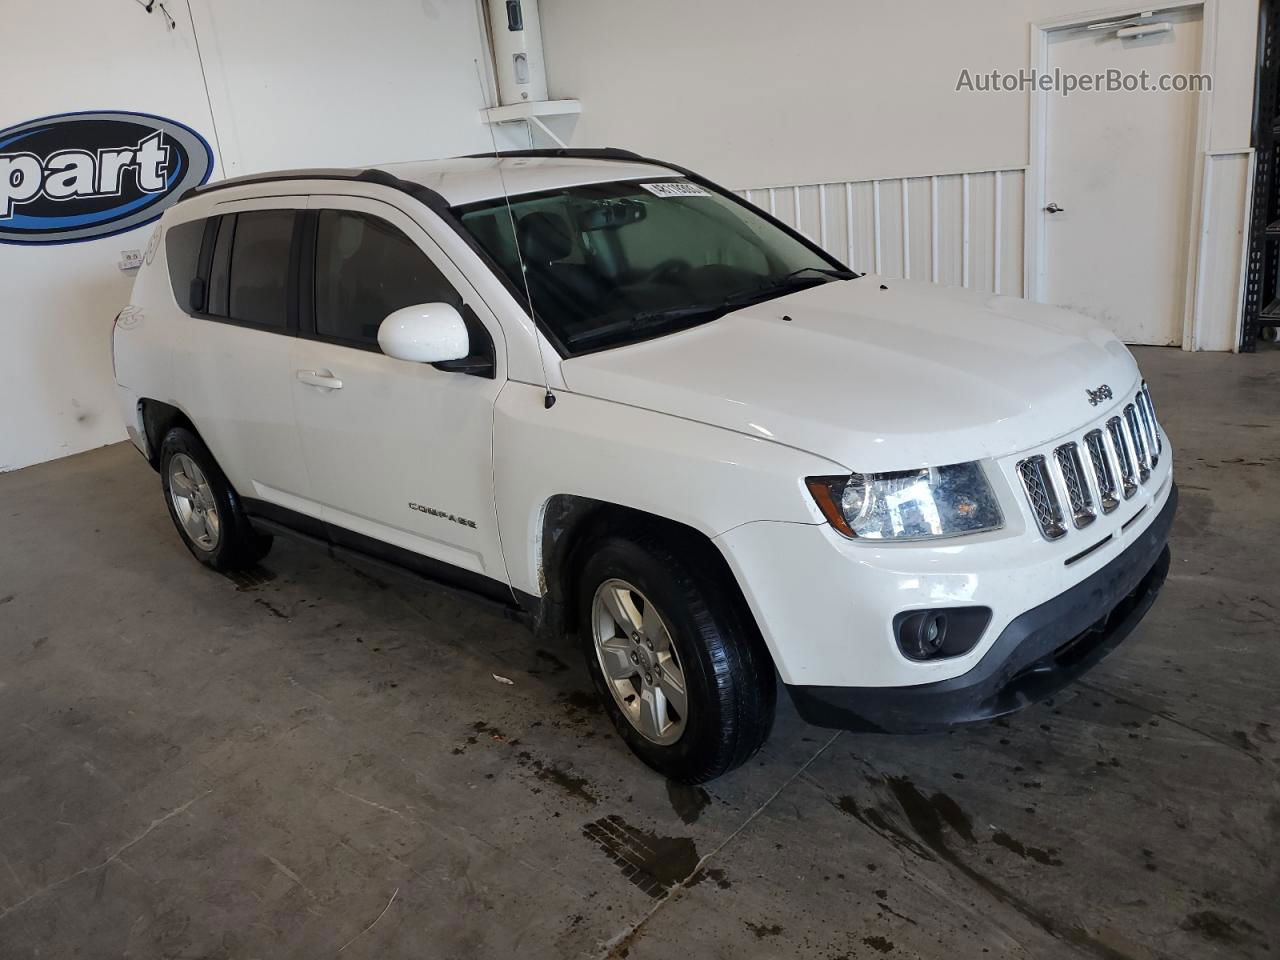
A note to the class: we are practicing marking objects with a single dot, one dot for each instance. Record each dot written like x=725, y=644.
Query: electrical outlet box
x=130, y=259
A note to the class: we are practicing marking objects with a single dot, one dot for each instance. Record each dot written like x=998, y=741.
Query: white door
x=233, y=362
x=399, y=453
x=1119, y=165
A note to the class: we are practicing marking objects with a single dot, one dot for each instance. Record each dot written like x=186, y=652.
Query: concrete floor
x=317, y=759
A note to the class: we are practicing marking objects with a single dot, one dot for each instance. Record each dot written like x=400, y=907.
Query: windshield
x=613, y=263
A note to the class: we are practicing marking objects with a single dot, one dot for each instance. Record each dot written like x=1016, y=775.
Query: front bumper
x=1035, y=655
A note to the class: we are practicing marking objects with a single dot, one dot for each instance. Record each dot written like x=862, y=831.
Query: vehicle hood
x=875, y=374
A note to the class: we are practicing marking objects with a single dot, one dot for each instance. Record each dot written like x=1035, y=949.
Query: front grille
x=1139, y=444
x=1148, y=411
x=1095, y=474
x=1079, y=499
x=1104, y=476
x=1034, y=472
x=1124, y=456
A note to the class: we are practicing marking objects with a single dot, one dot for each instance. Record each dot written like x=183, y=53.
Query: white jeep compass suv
x=611, y=394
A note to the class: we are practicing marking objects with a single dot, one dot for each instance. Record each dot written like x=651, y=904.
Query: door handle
x=319, y=378
x=1053, y=208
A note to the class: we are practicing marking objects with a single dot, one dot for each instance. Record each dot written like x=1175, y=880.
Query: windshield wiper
x=746, y=297
x=649, y=319
x=825, y=271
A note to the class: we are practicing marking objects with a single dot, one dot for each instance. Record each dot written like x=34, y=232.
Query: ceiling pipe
x=515, y=36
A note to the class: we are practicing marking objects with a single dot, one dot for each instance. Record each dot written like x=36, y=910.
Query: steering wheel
x=670, y=271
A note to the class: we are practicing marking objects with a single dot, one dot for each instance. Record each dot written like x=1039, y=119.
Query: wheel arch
x=570, y=523
x=158, y=418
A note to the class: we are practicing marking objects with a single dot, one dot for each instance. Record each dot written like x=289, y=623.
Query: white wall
x=56, y=386
x=314, y=83
x=758, y=94
x=292, y=83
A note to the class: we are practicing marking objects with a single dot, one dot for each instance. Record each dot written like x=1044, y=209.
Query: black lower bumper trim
x=1036, y=655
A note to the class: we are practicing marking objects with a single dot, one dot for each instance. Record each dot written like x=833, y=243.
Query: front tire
x=680, y=671
x=204, y=507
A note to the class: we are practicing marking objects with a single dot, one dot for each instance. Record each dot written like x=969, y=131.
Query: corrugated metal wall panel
x=867, y=224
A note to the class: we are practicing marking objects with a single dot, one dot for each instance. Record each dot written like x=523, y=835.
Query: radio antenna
x=549, y=400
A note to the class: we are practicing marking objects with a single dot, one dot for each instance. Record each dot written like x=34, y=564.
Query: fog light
x=932, y=634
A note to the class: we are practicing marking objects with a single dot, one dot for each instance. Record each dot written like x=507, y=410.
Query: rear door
x=399, y=454
x=233, y=371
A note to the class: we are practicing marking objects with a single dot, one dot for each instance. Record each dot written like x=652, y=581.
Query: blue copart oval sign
x=79, y=176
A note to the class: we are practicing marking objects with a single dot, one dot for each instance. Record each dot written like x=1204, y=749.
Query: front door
x=1118, y=181
x=399, y=454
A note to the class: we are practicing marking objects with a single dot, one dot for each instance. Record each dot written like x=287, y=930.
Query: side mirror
x=425, y=333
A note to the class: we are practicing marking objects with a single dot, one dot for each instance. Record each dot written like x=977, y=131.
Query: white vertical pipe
x=999, y=217
x=848, y=220
x=795, y=202
x=906, y=231
x=964, y=227
x=747, y=195
x=875, y=216
x=933, y=228
x=773, y=203
x=822, y=215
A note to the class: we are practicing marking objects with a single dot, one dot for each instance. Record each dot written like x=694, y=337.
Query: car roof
x=463, y=180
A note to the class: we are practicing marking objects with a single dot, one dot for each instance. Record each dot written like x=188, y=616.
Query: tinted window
x=182, y=251
x=366, y=269
x=220, y=267
x=612, y=263
x=259, y=278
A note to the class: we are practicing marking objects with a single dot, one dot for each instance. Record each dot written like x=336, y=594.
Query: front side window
x=366, y=269
x=613, y=263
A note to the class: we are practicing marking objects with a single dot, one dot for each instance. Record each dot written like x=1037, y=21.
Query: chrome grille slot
x=1103, y=475
x=1124, y=457
x=1034, y=474
x=1148, y=410
x=1139, y=445
x=1079, y=498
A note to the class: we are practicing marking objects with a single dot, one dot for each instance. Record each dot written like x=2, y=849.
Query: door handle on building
x=319, y=378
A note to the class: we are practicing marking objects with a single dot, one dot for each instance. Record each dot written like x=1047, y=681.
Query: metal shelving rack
x=1262, y=283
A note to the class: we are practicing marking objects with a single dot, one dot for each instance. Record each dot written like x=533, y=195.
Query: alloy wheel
x=639, y=661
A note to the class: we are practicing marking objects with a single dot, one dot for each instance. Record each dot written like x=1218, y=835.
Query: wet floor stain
x=713, y=874
x=272, y=608
x=763, y=930
x=1045, y=857
x=573, y=785
x=553, y=663
x=653, y=863
x=250, y=578
x=1221, y=928
x=688, y=802
x=932, y=823
x=879, y=944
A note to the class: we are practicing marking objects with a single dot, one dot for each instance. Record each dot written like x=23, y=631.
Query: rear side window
x=258, y=280
x=182, y=251
x=365, y=269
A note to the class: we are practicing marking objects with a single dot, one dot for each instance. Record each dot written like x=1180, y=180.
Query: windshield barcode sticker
x=675, y=188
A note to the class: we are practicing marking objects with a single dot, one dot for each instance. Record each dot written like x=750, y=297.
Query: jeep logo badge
x=80, y=176
x=1097, y=396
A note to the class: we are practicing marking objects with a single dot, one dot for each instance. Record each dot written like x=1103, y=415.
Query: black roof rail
x=574, y=153
x=381, y=177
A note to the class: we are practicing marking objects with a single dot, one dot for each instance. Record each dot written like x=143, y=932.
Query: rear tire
x=652, y=624
x=204, y=507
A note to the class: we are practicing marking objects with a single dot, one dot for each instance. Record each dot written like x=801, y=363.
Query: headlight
x=909, y=504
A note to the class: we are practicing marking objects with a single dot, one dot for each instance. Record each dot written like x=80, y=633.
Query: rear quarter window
x=182, y=251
